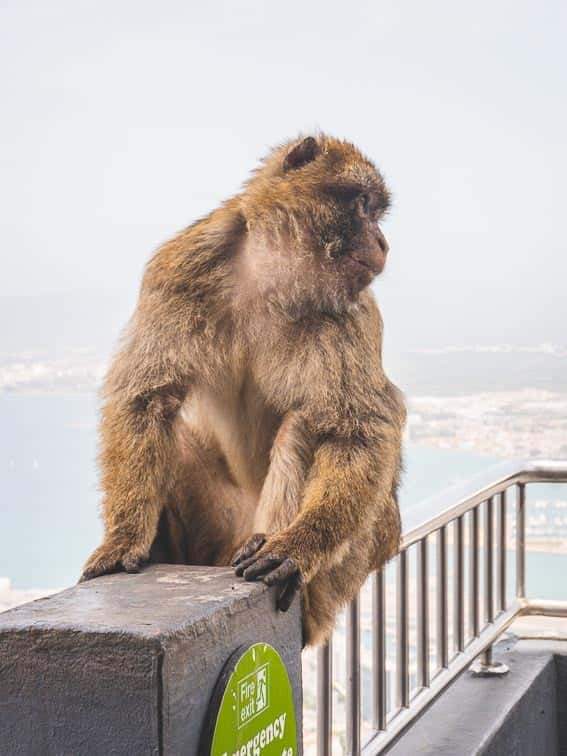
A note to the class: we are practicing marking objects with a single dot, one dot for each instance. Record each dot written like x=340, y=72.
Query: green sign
x=252, y=712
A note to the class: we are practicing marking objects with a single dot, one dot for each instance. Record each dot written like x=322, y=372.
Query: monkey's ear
x=304, y=152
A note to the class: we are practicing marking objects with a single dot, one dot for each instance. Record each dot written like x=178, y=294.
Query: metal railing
x=478, y=524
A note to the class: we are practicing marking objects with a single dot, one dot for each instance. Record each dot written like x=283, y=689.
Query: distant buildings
x=507, y=424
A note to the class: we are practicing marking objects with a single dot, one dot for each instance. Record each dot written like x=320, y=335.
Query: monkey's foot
x=251, y=546
x=113, y=557
x=273, y=569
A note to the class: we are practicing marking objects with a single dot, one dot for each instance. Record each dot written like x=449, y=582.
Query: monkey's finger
x=240, y=555
x=288, y=594
x=285, y=570
x=89, y=575
x=97, y=570
x=260, y=567
x=249, y=548
x=241, y=567
x=133, y=564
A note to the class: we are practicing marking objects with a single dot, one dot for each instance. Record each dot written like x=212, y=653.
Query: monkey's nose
x=383, y=244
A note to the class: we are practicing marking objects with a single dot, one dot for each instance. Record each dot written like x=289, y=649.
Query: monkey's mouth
x=374, y=267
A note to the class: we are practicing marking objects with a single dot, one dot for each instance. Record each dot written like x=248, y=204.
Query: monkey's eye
x=364, y=203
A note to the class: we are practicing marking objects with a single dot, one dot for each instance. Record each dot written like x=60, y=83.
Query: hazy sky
x=122, y=122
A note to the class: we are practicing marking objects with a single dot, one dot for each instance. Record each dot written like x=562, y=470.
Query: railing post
x=353, y=677
x=489, y=562
x=325, y=699
x=459, y=587
x=379, y=713
x=485, y=666
x=502, y=552
x=474, y=572
x=423, y=614
x=402, y=666
x=441, y=588
x=521, y=541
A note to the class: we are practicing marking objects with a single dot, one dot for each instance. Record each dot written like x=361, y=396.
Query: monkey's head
x=313, y=211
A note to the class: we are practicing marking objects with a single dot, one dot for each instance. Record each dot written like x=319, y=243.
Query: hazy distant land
x=500, y=400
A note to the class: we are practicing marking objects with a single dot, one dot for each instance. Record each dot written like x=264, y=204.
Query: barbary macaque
x=247, y=418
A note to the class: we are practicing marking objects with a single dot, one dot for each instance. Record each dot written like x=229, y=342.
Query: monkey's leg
x=170, y=543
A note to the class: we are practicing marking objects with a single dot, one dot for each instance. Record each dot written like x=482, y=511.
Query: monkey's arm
x=349, y=488
x=144, y=390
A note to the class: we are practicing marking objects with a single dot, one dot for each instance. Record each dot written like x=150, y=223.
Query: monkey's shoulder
x=195, y=263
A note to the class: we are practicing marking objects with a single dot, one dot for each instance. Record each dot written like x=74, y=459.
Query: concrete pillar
x=127, y=664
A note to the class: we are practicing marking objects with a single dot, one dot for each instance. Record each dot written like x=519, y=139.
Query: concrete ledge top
x=160, y=601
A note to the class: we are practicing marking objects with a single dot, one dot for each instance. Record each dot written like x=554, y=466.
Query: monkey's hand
x=114, y=556
x=269, y=561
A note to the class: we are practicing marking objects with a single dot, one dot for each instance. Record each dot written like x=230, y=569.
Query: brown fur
x=249, y=396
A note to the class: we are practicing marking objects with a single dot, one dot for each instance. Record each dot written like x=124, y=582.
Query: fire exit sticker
x=252, y=694
x=252, y=711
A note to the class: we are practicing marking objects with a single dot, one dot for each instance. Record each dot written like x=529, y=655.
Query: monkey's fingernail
x=284, y=603
x=133, y=567
x=253, y=573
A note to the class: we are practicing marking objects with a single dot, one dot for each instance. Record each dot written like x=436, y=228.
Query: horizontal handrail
x=473, y=492
x=544, y=608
